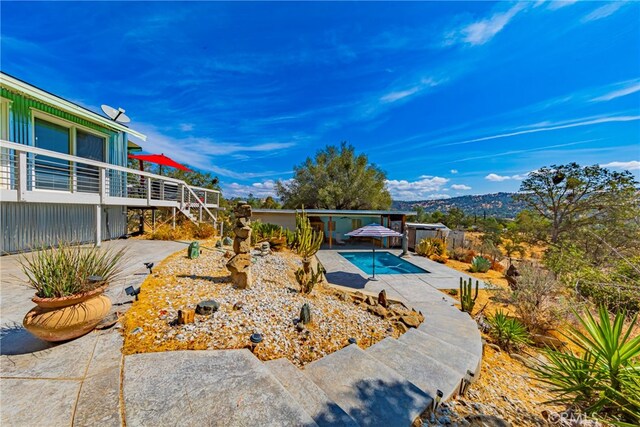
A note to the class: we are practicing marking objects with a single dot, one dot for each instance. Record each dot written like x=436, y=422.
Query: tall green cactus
x=465, y=295
x=307, y=240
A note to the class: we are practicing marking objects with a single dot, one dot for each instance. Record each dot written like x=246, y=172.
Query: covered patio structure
x=336, y=223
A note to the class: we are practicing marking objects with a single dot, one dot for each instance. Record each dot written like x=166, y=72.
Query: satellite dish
x=116, y=115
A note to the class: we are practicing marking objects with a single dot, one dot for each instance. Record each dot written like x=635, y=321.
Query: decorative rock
x=242, y=210
x=548, y=340
x=402, y=327
x=239, y=268
x=494, y=347
x=411, y=320
x=207, y=307
x=218, y=244
x=265, y=248
x=228, y=254
x=186, y=316
x=242, y=246
x=382, y=299
x=305, y=314
x=378, y=310
x=242, y=232
x=299, y=326
x=238, y=305
x=343, y=296
x=486, y=421
x=358, y=296
x=227, y=241
x=370, y=300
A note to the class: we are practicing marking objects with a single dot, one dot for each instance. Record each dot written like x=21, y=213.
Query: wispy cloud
x=631, y=165
x=628, y=87
x=480, y=32
x=613, y=119
x=460, y=187
x=422, y=188
x=494, y=177
x=260, y=189
x=397, y=95
x=557, y=4
x=603, y=11
x=454, y=171
x=186, y=127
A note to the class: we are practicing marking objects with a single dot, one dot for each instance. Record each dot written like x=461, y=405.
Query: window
x=89, y=146
x=51, y=173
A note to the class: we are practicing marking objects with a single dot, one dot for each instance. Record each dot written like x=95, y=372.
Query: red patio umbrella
x=159, y=159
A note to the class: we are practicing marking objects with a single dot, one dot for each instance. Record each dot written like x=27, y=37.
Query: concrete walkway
x=88, y=382
x=73, y=383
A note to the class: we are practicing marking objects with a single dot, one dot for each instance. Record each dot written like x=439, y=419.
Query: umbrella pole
x=373, y=265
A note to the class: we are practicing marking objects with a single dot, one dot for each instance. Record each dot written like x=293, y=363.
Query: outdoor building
x=63, y=174
x=419, y=231
x=336, y=223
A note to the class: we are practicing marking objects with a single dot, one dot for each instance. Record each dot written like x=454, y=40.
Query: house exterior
x=336, y=223
x=63, y=174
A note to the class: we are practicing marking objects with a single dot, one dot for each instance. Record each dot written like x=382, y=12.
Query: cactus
x=465, y=295
x=308, y=279
x=307, y=240
x=305, y=314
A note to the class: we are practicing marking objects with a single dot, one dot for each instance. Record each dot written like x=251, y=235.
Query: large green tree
x=336, y=178
x=571, y=197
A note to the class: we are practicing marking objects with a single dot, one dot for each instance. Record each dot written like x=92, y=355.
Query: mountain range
x=500, y=205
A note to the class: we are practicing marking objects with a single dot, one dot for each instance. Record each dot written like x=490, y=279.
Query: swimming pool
x=386, y=263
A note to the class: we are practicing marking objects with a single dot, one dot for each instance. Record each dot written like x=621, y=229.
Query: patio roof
x=335, y=212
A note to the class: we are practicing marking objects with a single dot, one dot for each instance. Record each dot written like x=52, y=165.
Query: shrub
x=438, y=258
x=605, y=378
x=508, y=332
x=65, y=270
x=471, y=254
x=535, y=298
x=459, y=254
x=480, y=265
x=496, y=266
x=432, y=246
x=204, y=231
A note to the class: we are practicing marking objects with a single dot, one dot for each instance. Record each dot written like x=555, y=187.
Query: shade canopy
x=159, y=159
x=374, y=230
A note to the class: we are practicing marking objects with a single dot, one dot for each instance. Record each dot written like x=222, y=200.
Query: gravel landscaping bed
x=270, y=307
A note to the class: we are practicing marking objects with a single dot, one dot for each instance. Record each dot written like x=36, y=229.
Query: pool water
x=386, y=263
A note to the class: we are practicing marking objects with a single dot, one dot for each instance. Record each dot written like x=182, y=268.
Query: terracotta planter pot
x=62, y=319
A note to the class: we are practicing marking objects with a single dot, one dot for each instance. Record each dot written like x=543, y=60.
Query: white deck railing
x=30, y=174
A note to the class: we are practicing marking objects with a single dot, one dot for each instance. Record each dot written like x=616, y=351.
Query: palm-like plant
x=606, y=377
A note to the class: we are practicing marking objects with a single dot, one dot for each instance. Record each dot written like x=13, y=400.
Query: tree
x=336, y=178
x=571, y=196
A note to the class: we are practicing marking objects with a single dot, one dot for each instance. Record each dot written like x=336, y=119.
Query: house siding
x=31, y=225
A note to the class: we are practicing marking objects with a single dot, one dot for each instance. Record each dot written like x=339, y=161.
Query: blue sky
x=449, y=98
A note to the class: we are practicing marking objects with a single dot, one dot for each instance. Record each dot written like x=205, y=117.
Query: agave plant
x=65, y=270
x=480, y=265
x=605, y=378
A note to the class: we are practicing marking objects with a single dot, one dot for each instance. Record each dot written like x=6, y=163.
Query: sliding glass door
x=51, y=173
x=92, y=147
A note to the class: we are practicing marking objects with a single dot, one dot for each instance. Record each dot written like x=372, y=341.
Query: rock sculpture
x=240, y=264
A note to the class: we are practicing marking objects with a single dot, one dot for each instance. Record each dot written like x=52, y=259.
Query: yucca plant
x=605, y=379
x=508, y=332
x=480, y=265
x=65, y=270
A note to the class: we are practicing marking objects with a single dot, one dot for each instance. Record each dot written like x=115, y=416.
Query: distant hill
x=499, y=205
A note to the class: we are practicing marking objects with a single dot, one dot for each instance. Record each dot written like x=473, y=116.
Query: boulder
x=382, y=299
x=242, y=279
x=480, y=420
x=207, y=308
x=411, y=320
x=242, y=232
x=402, y=327
x=242, y=210
x=378, y=310
x=371, y=300
x=239, y=262
x=242, y=246
x=548, y=341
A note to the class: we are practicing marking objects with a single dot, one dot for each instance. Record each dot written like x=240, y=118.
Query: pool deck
x=405, y=287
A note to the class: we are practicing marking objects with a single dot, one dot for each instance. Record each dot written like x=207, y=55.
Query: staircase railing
x=31, y=174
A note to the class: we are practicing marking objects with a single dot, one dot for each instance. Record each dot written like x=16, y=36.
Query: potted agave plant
x=69, y=282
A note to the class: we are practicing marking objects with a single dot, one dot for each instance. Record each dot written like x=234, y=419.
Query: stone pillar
x=240, y=264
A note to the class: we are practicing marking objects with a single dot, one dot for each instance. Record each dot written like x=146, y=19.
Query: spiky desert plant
x=307, y=280
x=605, y=378
x=467, y=302
x=508, y=332
x=307, y=239
x=480, y=265
x=65, y=270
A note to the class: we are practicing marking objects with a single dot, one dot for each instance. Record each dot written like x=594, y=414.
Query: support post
x=153, y=218
x=98, y=225
x=148, y=191
x=22, y=176
x=330, y=233
x=103, y=185
x=173, y=212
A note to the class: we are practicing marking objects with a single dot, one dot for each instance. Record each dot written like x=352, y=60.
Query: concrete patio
x=87, y=382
